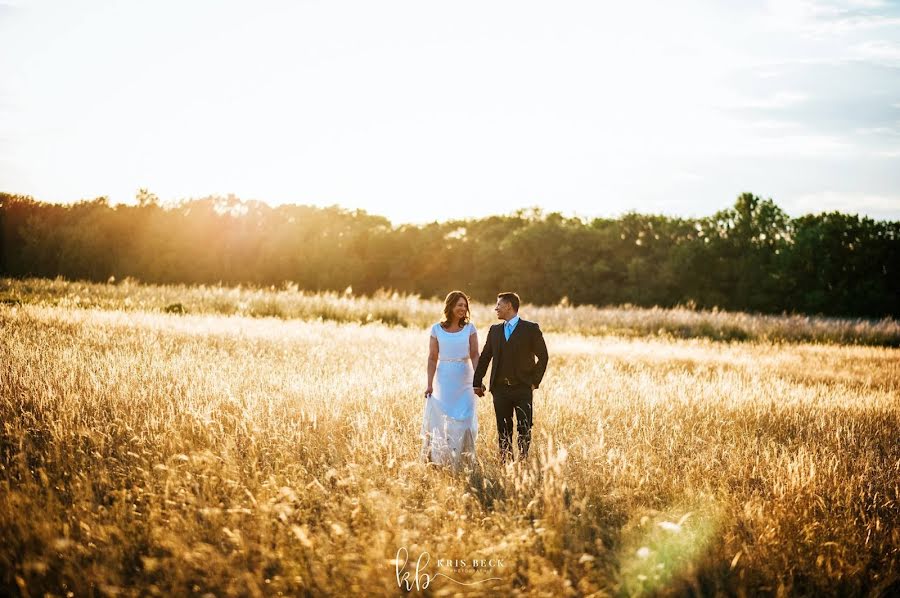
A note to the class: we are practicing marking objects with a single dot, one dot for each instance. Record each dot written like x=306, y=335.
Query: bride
x=450, y=424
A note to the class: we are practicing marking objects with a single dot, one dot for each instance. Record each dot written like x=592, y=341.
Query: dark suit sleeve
x=486, y=354
x=540, y=351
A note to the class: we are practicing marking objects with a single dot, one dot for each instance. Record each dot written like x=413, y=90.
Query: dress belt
x=461, y=359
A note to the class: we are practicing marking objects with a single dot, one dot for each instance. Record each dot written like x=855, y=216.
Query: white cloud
x=774, y=125
x=881, y=51
x=840, y=22
x=795, y=146
x=879, y=206
x=867, y=3
x=781, y=99
x=889, y=131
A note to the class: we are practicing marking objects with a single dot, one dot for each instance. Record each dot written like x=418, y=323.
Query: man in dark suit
x=520, y=360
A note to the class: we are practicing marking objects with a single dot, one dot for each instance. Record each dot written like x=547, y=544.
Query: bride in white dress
x=450, y=424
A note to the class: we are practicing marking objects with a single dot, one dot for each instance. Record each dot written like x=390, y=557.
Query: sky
x=423, y=110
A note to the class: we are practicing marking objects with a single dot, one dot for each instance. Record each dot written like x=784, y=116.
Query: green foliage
x=750, y=257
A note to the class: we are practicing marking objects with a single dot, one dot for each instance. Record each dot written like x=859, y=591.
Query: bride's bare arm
x=432, y=363
x=473, y=349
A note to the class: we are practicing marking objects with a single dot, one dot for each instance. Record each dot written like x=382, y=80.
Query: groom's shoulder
x=533, y=327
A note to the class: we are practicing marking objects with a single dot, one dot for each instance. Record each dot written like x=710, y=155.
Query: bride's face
x=460, y=309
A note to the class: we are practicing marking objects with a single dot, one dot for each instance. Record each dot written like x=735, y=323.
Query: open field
x=288, y=302
x=146, y=453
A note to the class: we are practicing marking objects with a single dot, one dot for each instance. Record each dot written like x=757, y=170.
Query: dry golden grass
x=288, y=302
x=151, y=454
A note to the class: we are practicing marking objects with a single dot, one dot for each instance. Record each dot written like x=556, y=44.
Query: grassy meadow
x=387, y=307
x=231, y=451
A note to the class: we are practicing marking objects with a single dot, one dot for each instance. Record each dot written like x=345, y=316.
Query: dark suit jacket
x=525, y=345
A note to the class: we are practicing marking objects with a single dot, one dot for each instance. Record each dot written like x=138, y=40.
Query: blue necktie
x=507, y=330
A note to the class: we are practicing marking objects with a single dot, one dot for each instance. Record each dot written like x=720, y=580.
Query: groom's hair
x=511, y=298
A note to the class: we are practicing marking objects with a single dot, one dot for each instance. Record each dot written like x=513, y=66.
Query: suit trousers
x=509, y=401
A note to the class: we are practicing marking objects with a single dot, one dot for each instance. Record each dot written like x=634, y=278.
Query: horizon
x=586, y=218
x=586, y=110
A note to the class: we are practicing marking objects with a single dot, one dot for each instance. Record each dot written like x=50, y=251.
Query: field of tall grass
x=153, y=453
x=387, y=307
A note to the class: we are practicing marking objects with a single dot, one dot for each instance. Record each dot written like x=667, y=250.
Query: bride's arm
x=432, y=363
x=473, y=347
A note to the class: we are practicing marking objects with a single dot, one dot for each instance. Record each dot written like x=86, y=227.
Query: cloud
x=8, y=9
x=774, y=126
x=878, y=206
x=878, y=51
x=793, y=146
x=819, y=19
x=888, y=131
x=780, y=99
x=851, y=104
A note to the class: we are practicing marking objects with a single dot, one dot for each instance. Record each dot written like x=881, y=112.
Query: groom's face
x=504, y=309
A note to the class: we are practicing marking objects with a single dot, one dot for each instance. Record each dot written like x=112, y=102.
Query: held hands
x=428, y=391
x=479, y=390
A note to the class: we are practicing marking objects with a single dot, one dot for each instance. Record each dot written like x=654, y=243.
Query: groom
x=514, y=346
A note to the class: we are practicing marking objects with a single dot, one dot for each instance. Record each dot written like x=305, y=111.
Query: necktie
x=507, y=330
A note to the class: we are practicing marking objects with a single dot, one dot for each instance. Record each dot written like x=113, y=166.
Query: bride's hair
x=449, y=303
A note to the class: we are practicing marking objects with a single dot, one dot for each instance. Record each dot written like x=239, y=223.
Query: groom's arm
x=486, y=354
x=540, y=351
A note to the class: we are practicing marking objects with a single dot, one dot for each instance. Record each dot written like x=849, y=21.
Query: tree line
x=749, y=257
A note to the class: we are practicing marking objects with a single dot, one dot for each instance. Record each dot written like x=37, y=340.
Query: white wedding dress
x=450, y=424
